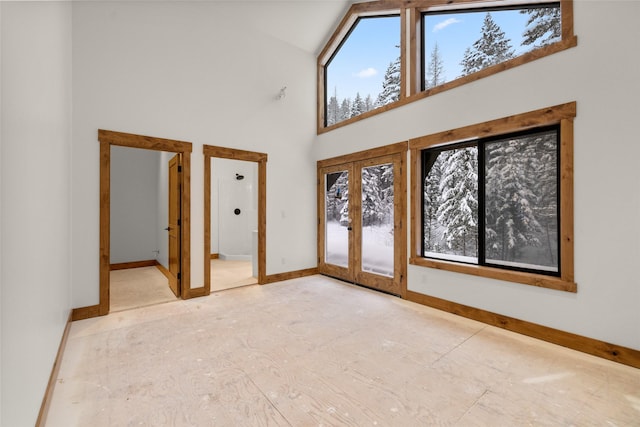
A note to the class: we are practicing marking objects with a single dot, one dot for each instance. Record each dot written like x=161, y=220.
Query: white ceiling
x=306, y=24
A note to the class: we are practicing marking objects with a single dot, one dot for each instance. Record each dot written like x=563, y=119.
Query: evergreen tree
x=490, y=49
x=510, y=198
x=391, y=85
x=543, y=21
x=377, y=194
x=368, y=103
x=337, y=196
x=345, y=110
x=358, y=106
x=544, y=168
x=371, y=197
x=458, y=211
x=435, y=69
x=333, y=109
x=432, y=200
x=386, y=186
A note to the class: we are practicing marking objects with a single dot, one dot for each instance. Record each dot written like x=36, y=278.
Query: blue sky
x=456, y=31
x=361, y=62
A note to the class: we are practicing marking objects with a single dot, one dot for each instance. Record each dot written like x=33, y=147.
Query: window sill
x=531, y=279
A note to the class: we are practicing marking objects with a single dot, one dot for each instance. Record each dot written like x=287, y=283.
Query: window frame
x=492, y=7
x=410, y=12
x=560, y=115
x=335, y=52
x=480, y=145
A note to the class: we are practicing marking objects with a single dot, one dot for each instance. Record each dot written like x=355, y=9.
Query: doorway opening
x=361, y=218
x=144, y=231
x=234, y=218
x=178, y=195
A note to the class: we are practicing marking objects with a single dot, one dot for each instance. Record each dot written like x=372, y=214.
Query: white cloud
x=442, y=25
x=367, y=72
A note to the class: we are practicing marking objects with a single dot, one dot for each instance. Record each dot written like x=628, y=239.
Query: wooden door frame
x=401, y=221
x=210, y=152
x=344, y=273
x=108, y=138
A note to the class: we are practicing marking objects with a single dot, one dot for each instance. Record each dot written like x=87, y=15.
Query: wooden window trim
x=409, y=11
x=560, y=114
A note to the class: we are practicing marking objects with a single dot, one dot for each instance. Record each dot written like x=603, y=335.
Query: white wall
x=231, y=234
x=134, y=204
x=192, y=71
x=1, y=198
x=601, y=74
x=35, y=199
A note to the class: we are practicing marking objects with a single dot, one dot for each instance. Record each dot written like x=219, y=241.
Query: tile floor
x=318, y=352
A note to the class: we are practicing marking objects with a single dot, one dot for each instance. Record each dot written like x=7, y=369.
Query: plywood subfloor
x=231, y=274
x=318, y=352
x=138, y=287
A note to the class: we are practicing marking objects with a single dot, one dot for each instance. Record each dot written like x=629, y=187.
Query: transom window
x=387, y=53
x=364, y=73
x=461, y=42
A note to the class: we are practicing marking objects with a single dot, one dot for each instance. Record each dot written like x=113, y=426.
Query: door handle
x=167, y=229
x=349, y=228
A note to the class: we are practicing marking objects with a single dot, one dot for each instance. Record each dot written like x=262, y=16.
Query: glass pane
x=457, y=44
x=364, y=73
x=336, y=202
x=451, y=204
x=377, y=219
x=521, y=197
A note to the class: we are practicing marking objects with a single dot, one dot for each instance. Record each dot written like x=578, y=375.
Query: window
x=461, y=42
x=494, y=202
x=500, y=205
x=364, y=73
x=387, y=53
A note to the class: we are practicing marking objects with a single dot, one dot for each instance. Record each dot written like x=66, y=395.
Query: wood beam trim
x=279, y=277
x=82, y=313
x=142, y=141
x=133, y=264
x=234, y=154
x=605, y=350
x=400, y=147
x=48, y=395
x=536, y=118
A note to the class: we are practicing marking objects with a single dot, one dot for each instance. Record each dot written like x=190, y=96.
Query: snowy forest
x=377, y=205
x=543, y=27
x=377, y=196
x=520, y=202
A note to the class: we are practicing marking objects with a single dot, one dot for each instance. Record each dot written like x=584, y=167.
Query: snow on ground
x=377, y=247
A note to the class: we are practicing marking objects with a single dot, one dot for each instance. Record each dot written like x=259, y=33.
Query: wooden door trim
x=211, y=151
x=108, y=138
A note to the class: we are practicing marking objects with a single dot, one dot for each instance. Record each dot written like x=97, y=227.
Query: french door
x=361, y=235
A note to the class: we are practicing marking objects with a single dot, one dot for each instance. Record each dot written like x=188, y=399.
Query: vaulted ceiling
x=306, y=24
